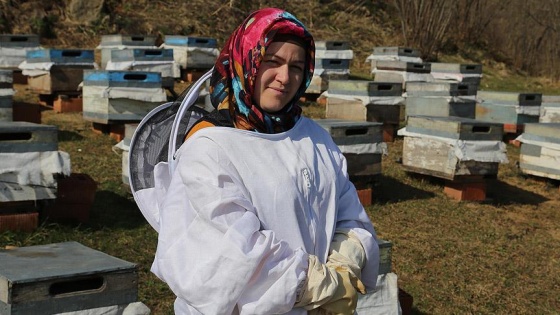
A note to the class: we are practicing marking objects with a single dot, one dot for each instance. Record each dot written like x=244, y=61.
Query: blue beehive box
x=115, y=78
x=122, y=103
x=63, y=277
x=60, y=56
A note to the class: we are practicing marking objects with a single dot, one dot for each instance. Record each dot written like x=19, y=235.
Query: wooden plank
x=20, y=137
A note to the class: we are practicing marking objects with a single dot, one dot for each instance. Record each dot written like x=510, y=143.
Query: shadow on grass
x=65, y=135
x=389, y=190
x=112, y=210
x=501, y=193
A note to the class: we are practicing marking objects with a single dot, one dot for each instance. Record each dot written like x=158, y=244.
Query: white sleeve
x=352, y=215
x=212, y=251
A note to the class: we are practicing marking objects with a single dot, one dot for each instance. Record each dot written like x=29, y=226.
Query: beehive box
x=193, y=52
x=422, y=89
x=431, y=147
x=338, y=50
x=13, y=48
x=119, y=41
x=401, y=71
x=457, y=72
x=361, y=142
x=550, y=109
x=120, y=96
x=540, y=150
x=129, y=130
x=13, y=192
x=6, y=107
x=6, y=95
x=509, y=108
x=63, y=277
x=66, y=73
x=147, y=60
x=452, y=106
x=21, y=136
x=385, y=256
x=393, y=53
x=364, y=101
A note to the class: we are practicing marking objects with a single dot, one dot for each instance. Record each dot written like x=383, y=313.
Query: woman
x=260, y=217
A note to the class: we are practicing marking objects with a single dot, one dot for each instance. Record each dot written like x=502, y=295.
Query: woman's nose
x=283, y=74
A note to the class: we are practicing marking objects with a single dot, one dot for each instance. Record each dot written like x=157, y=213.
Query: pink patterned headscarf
x=233, y=79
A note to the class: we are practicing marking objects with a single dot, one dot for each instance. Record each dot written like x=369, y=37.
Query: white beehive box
x=540, y=150
x=451, y=147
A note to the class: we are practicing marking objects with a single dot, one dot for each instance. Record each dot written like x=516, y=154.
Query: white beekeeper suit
x=234, y=237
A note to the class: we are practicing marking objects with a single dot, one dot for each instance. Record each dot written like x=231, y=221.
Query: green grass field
x=501, y=256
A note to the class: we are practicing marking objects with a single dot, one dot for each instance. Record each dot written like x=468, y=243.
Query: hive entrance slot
x=356, y=131
x=15, y=136
x=74, y=286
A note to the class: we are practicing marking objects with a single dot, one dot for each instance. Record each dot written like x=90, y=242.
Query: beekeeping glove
x=347, y=250
x=332, y=287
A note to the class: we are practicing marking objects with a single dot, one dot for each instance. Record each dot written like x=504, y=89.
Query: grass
x=501, y=256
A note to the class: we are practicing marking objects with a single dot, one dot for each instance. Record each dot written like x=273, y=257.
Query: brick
x=365, y=195
x=468, y=191
x=67, y=104
x=24, y=222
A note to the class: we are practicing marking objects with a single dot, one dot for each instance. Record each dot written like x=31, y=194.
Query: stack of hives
x=115, y=98
x=362, y=100
x=67, y=278
x=362, y=144
x=398, y=64
x=464, y=152
x=332, y=61
x=121, y=42
x=31, y=164
x=13, y=49
x=194, y=55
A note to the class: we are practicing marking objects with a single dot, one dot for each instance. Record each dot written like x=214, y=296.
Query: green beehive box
x=440, y=106
x=415, y=89
x=63, y=277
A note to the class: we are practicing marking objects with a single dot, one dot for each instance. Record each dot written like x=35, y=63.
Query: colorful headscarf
x=233, y=79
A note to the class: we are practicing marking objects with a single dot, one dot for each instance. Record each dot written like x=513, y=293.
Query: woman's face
x=280, y=75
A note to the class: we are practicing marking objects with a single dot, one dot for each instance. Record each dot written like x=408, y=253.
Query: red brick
x=365, y=195
x=471, y=191
x=25, y=222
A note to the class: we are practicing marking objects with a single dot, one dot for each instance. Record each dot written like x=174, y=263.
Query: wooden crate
x=455, y=128
x=422, y=89
x=550, y=109
x=77, y=278
x=10, y=192
x=74, y=199
x=27, y=112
